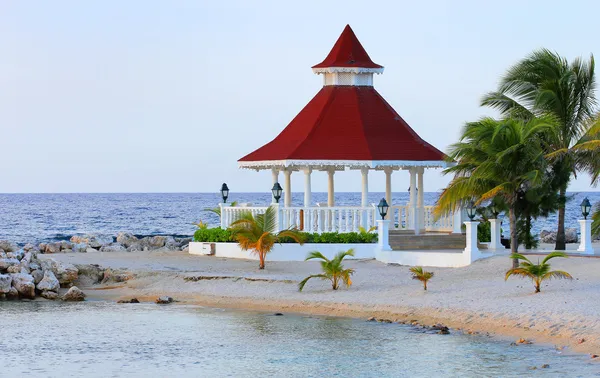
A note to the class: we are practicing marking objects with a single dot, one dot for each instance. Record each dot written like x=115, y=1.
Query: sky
x=156, y=96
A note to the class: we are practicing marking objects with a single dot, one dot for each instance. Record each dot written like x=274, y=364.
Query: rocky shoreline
x=25, y=274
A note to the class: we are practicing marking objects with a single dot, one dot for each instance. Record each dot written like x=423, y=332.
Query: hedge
x=219, y=235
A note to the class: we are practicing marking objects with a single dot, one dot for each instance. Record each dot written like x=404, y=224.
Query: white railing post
x=278, y=217
x=471, y=252
x=495, y=243
x=383, y=235
x=225, y=218
x=585, y=244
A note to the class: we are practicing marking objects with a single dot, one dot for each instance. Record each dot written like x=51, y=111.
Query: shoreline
x=472, y=299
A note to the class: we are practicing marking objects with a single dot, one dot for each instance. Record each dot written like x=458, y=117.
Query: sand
x=474, y=299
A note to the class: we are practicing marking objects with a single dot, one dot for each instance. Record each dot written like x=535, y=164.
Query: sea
x=101, y=339
x=35, y=218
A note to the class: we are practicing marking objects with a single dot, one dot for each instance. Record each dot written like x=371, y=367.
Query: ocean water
x=100, y=339
x=46, y=217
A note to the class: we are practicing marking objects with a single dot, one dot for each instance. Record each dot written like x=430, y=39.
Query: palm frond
x=304, y=281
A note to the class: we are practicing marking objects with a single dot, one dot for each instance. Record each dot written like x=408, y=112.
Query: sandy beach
x=474, y=299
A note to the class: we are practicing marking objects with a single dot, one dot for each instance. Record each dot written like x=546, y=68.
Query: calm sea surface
x=43, y=217
x=99, y=339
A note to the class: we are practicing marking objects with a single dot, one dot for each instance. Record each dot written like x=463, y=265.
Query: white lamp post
x=495, y=242
x=471, y=251
x=585, y=245
x=383, y=226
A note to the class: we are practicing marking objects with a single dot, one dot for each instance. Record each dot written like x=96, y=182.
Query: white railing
x=401, y=219
x=311, y=219
x=344, y=219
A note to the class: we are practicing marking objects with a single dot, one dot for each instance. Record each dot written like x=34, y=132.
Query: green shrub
x=212, y=235
x=484, y=232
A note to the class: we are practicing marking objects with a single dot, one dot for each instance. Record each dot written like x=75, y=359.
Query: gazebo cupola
x=348, y=63
x=347, y=125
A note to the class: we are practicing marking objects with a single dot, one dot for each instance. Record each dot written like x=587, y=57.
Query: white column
x=225, y=216
x=457, y=221
x=413, y=201
x=307, y=189
x=495, y=243
x=471, y=252
x=420, y=203
x=585, y=245
x=330, y=188
x=287, y=187
x=383, y=227
x=275, y=174
x=388, y=190
x=364, y=202
x=278, y=217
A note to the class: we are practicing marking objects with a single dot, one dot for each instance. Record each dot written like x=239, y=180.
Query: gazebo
x=349, y=125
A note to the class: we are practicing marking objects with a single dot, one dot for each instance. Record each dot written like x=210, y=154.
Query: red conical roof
x=347, y=123
x=347, y=52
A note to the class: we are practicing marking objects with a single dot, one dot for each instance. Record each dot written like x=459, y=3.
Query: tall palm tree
x=537, y=272
x=495, y=158
x=333, y=270
x=545, y=84
x=257, y=233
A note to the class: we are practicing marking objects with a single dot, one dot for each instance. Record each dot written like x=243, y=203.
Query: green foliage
x=525, y=237
x=213, y=235
x=596, y=221
x=484, y=232
x=419, y=274
x=337, y=238
x=537, y=272
x=333, y=270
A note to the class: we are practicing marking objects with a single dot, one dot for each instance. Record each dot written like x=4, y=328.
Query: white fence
x=344, y=219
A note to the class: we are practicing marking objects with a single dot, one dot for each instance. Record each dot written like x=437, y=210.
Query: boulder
x=91, y=250
x=132, y=300
x=14, y=269
x=126, y=239
x=52, y=295
x=74, y=295
x=5, y=283
x=37, y=275
x=135, y=247
x=30, y=247
x=7, y=262
x=116, y=276
x=49, y=282
x=113, y=247
x=8, y=246
x=42, y=247
x=94, y=241
x=571, y=235
x=156, y=242
x=34, y=265
x=27, y=257
x=13, y=293
x=90, y=274
x=171, y=244
x=65, y=272
x=549, y=237
x=80, y=247
x=24, y=285
x=65, y=245
x=52, y=248
x=164, y=300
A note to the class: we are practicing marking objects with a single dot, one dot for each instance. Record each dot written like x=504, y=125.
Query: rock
x=116, y=276
x=52, y=248
x=523, y=341
x=90, y=274
x=80, y=247
x=14, y=269
x=27, y=256
x=550, y=236
x=49, y=282
x=7, y=262
x=30, y=247
x=186, y=249
x=74, y=295
x=126, y=239
x=65, y=245
x=37, y=275
x=135, y=247
x=372, y=319
x=8, y=246
x=65, y=272
x=24, y=285
x=156, y=242
x=113, y=247
x=171, y=244
x=164, y=300
x=278, y=314
x=52, y=295
x=5, y=283
x=11, y=255
x=94, y=241
x=91, y=250
x=571, y=235
x=13, y=293
x=42, y=247
x=132, y=300
x=581, y=341
x=34, y=265
x=545, y=366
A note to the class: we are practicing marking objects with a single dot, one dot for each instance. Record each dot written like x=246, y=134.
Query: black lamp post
x=224, y=192
x=471, y=210
x=586, y=207
x=383, y=208
x=277, y=190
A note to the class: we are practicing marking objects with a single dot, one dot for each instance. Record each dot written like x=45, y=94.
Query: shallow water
x=47, y=217
x=100, y=339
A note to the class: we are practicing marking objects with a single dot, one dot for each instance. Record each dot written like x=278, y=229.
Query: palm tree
x=596, y=221
x=257, y=233
x=545, y=84
x=333, y=270
x=537, y=272
x=419, y=274
x=495, y=158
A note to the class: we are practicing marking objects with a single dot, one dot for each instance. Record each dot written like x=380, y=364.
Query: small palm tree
x=257, y=233
x=217, y=210
x=333, y=270
x=537, y=272
x=419, y=274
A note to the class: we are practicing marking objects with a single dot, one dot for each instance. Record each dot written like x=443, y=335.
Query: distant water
x=98, y=339
x=44, y=217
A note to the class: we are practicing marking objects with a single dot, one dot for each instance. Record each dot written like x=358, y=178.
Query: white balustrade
x=344, y=218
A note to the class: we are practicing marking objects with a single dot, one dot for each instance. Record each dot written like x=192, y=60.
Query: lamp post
x=585, y=244
x=224, y=192
x=383, y=208
x=276, y=190
x=383, y=226
x=495, y=240
x=471, y=210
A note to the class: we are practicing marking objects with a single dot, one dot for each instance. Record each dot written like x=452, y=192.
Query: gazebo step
x=405, y=242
